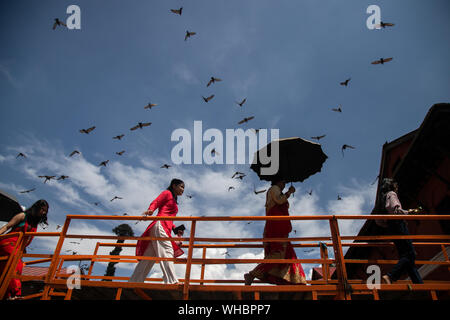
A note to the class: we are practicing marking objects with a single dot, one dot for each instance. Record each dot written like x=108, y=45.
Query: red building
x=420, y=162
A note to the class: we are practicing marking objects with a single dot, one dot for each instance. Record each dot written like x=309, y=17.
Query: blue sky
x=286, y=57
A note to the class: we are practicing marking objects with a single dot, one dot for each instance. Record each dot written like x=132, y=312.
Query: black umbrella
x=298, y=160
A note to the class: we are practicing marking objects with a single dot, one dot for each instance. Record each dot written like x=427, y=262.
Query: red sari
x=279, y=273
x=6, y=249
x=168, y=207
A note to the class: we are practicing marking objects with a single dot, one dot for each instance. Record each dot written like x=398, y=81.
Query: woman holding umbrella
x=277, y=273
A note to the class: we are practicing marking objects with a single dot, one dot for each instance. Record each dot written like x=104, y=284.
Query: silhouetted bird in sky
x=103, y=163
x=237, y=173
x=345, y=146
x=188, y=35
x=310, y=192
x=20, y=154
x=345, y=83
x=47, y=178
x=214, y=152
x=213, y=80
x=28, y=191
x=74, y=152
x=246, y=120
x=337, y=109
x=242, y=102
x=339, y=197
x=165, y=166
x=230, y=188
x=140, y=125
x=119, y=137
x=384, y=24
x=120, y=153
x=209, y=98
x=115, y=197
x=259, y=191
x=58, y=23
x=318, y=137
x=177, y=11
x=150, y=105
x=87, y=130
x=382, y=61
x=63, y=177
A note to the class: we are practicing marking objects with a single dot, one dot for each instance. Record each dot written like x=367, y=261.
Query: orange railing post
x=189, y=262
x=55, y=259
x=343, y=285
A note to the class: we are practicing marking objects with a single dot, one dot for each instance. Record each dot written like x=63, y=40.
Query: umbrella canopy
x=298, y=160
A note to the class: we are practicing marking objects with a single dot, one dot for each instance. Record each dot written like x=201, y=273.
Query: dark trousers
x=406, y=254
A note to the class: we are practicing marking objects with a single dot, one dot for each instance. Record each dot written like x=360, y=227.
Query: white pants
x=156, y=248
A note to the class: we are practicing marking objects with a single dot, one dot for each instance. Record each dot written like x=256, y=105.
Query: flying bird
x=214, y=152
x=115, y=197
x=345, y=83
x=189, y=34
x=213, y=80
x=246, y=120
x=28, y=191
x=339, y=197
x=74, y=152
x=47, y=178
x=318, y=137
x=209, y=98
x=58, y=23
x=120, y=153
x=384, y=25
x=165, y=166
x=119, y=137
x=189, y=196
x=310, y=192
x=230, y=188
x=103, y=163
x=177, y=11
x=259, y=191
x=338, y=109
x=345, y=146
x=87, y=130
x=63, y=177
x=140, y=125
x=150, y=105
x=382, y=61
x=237, y=173
x=242, y=102
x=20, y=154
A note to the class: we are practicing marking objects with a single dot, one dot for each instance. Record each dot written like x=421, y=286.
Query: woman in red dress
x=277, y=273
x=22, y=222
x=166, y=202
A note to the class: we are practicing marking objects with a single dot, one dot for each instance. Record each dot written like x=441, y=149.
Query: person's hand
x=147, y=213
x=291, y=189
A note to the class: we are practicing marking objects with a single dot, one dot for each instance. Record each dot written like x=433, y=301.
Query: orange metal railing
x=340, y=288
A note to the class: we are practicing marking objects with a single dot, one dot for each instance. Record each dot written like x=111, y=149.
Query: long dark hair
x=32, y=213
x=175, y=182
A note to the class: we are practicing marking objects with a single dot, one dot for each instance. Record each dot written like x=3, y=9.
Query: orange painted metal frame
x=342, y=288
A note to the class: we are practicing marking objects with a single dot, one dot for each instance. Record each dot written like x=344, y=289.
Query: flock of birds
x=211, y=81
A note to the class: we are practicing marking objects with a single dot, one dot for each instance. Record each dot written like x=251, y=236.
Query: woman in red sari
x=277, y=273
x=166, y=202
x=22, y=222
